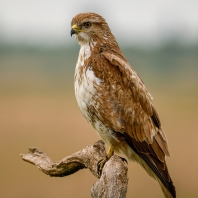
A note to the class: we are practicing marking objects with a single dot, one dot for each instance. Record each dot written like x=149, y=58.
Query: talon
x=123, y=159
x=101, y=164
x=98, y=168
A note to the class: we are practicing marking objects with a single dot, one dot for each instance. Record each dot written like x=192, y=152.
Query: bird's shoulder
x=113, y=69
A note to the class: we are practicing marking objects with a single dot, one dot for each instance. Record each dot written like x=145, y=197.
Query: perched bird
x=115, y=101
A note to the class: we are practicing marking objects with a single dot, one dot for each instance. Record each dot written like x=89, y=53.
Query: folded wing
x=132, y=113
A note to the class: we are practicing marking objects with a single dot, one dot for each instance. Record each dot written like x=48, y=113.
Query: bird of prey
x=114, y=100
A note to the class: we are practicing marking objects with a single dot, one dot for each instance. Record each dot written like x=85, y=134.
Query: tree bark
x=111, y=184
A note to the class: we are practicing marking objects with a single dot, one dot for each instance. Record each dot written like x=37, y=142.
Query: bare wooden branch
x=113, y=181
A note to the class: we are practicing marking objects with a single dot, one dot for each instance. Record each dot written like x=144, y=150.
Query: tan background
x=38, y=108
x=37, y=103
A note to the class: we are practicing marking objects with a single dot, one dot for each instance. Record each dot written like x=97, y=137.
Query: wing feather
x=146, y=121
x=132, y=104
x=133, y=113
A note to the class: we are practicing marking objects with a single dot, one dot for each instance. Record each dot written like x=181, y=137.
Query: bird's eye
x=87, y=24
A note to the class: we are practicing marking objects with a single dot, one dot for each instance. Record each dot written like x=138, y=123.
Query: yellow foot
x=102, y=162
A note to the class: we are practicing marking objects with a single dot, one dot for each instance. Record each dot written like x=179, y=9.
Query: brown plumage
x=115, y=101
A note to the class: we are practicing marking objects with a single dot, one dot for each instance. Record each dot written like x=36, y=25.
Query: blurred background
x=37, y=103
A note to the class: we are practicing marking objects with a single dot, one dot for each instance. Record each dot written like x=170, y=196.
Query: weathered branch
x=113, y=181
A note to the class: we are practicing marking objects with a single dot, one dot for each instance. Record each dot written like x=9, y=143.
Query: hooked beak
x=74, y=30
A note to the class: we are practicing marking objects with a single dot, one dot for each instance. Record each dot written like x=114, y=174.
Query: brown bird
x=115, y=101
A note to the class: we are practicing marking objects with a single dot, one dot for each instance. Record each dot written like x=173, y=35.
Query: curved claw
x=101, y=164
x=123, y=159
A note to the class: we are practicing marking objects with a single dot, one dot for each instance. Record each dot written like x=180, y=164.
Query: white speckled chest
x=84, y=79
x=85, y=82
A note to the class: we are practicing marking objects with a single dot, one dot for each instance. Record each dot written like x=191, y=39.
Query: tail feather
x=157, y=169
x=167, y=193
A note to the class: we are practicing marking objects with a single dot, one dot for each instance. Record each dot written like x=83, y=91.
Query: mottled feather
x=115, y=101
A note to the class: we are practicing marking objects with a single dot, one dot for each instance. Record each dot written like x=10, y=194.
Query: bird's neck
x=106, y=43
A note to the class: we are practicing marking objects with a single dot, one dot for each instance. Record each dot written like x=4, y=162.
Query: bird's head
x=89, y=26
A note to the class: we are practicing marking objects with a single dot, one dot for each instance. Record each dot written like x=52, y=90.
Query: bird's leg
x=102, y=162
x=110, y=152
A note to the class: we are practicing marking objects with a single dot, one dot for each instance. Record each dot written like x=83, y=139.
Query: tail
x=171, y=193
x=162, y=176
x=155, y=168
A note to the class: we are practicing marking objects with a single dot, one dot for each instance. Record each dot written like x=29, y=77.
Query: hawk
x=114, y=100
